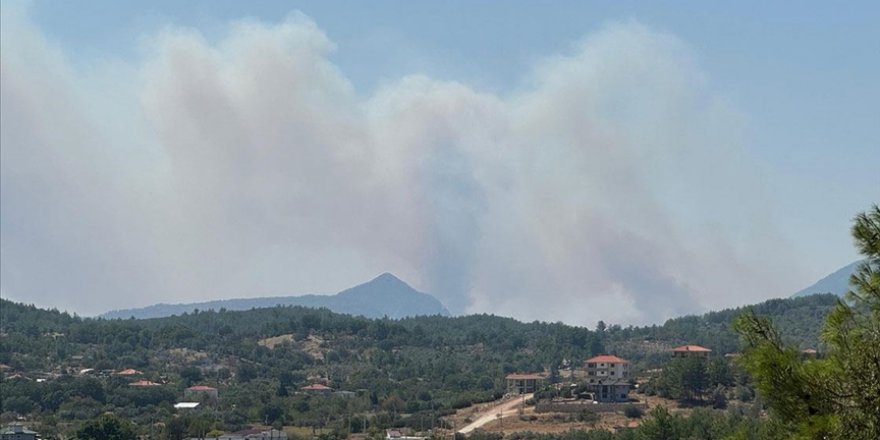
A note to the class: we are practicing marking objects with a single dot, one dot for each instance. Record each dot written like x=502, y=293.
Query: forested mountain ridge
x=23, y=327
x=408, y=372
x=383, y=296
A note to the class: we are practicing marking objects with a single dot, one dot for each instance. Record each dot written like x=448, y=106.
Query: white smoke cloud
x=612, y=184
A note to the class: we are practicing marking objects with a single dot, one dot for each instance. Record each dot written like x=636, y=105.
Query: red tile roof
x=691, y=348
x=129, y=372
x=316, y=387
x=201, y=388
x=610, y=358
x=144, y=383
x=525, y=376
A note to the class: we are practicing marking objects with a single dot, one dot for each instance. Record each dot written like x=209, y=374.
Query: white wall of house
x=604, y=370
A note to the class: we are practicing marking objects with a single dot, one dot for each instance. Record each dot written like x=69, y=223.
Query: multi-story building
x=607, y=378
x=606, y=366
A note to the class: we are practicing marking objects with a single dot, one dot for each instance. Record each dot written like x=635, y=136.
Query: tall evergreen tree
x=838, y=396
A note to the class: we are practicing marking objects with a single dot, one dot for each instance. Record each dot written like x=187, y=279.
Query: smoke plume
x=611, y=184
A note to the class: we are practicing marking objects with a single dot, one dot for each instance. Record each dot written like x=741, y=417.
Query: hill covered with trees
x=63, y=370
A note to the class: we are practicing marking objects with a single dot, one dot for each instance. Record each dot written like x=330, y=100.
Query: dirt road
x=506, y=408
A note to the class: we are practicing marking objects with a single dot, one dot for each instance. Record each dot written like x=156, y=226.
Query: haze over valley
x=614, y=172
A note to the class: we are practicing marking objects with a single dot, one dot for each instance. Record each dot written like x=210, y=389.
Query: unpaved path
x=506, y=409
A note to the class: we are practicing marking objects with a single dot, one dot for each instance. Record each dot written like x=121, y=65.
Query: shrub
x=633, y=412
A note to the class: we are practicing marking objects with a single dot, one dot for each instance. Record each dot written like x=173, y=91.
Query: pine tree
x=838, y=396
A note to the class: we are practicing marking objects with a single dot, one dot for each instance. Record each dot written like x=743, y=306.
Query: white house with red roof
x=607, y=378
x=606, y=366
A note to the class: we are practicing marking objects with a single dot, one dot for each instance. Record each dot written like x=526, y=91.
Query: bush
x=633, y=412
x=588, y=416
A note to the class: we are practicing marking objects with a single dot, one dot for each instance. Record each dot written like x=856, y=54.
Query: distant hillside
x=836, y=283
x=426, y=366
x=799, y=321
x=385, y=295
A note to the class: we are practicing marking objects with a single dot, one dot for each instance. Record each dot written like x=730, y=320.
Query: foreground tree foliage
x=106, y=427
x=838, y=396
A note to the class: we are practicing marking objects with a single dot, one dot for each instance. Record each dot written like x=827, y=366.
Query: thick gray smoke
x=612, y=184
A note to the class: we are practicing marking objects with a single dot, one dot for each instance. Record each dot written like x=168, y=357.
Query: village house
x=199, y=391
x=607, y=378
x=144, y=383
x=523, y=383
x=691, y=351
x=17, y=431
x=606, y=365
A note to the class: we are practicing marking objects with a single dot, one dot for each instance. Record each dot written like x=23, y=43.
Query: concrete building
x=17, y=431
x=523, y=383
x=607, y=378
x=606, y=366
x=609, y=390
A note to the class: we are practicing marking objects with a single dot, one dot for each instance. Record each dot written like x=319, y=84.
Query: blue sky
x=798, y=81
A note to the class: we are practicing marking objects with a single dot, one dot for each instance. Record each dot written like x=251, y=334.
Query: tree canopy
x=837, y=396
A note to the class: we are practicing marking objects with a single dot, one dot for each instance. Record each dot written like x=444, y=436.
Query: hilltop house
x=691, y=351
x=200, y=391
x=607, y=378
x=17, y=431
x=522, y=383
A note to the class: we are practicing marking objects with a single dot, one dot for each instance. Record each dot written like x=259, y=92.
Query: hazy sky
x=555, y=161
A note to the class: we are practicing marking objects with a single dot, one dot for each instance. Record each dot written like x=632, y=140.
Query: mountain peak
x=394, y=296
x=387, y=277
x=383, y=296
